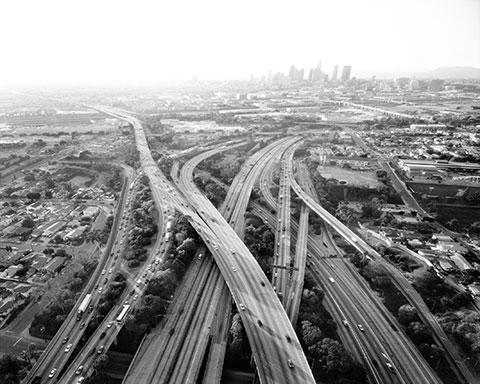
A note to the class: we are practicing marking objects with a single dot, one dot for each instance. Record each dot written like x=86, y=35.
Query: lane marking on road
x=18, y=341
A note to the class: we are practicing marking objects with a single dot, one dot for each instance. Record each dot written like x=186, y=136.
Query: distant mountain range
x=439, y=73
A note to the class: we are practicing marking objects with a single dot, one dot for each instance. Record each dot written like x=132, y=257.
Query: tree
x=371, y=209
x=332, y=356
x=49, y=183
x=101, y=361
x=28, y=222
x=61, y=252
x=58, y=239
x=346, y=214
x=407, y=314
x=33, y=195
x=237, y=338
x=419, y=332
x=10, y=367
x=311, y=334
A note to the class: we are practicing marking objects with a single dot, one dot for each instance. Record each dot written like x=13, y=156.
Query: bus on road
x=123, y=313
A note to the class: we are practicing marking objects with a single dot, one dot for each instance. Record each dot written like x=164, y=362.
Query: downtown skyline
x=90, y=42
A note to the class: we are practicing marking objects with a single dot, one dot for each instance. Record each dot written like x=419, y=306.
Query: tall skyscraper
x=335, y=73
x=435, y=85
x=317, y=73
x=292, y=72
x=346, y=70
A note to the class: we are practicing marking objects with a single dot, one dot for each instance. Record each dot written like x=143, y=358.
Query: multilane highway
x=278, y=359
x=72, y=330
x=452, y=356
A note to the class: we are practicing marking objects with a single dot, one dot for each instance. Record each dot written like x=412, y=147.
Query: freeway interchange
x=226, y=268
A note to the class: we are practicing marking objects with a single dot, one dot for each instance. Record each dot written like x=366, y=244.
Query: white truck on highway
x=84, y=305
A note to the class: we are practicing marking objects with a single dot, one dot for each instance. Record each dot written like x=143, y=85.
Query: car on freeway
x=233, y=251
x=109, y=325
x=138, y=283
x=110, y=270
x=52, y=372
x=104, y=271
x=242, y=307
x=390, y=367
x=100, y=290
x=102, y=335
x=263, y=284
x=345, y=322
x=288, y=338
x=65, y=339
x=79, y=370
x=69, y=346
x=360, y=327
x=290, y=363
x=81, y=380
x=100, y=350
x=259, y=322
x=135, y=297
x=234, y=269
x=82, y=325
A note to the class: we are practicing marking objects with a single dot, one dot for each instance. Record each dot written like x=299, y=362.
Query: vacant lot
x=366, y=178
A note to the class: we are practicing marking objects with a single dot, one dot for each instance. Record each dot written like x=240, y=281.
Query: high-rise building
x=310, y=75
x=292, y=72
x=346, y=70
x=335, y=73
x=435, y=85
x=317, y=73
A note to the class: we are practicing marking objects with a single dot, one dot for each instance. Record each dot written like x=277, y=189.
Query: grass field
x=353, y=177
x=80, y=181
x=465, y=215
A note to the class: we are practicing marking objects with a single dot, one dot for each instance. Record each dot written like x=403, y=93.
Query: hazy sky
x=101, y=40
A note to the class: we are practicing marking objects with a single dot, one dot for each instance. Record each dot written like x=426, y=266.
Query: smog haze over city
x=217, y=192
x=57, y=42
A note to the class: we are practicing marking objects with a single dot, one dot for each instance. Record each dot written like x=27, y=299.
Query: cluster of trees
x=405, y=263
x=111, y=294
x=418, y=332
x=185, y=244
x=317, y=331
x=225, y=167
x=13, y=369
x=47, y=322
x=215, y=193
x=154, y=304
x=114, y=179
x=439, y=296
x=238, y=348
x=260, y=240
x=130, y=155
x=165, y=164
x=464, y=326
x=154, y=124
x=374, y=272
x=144, y=226
x=161, y=288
